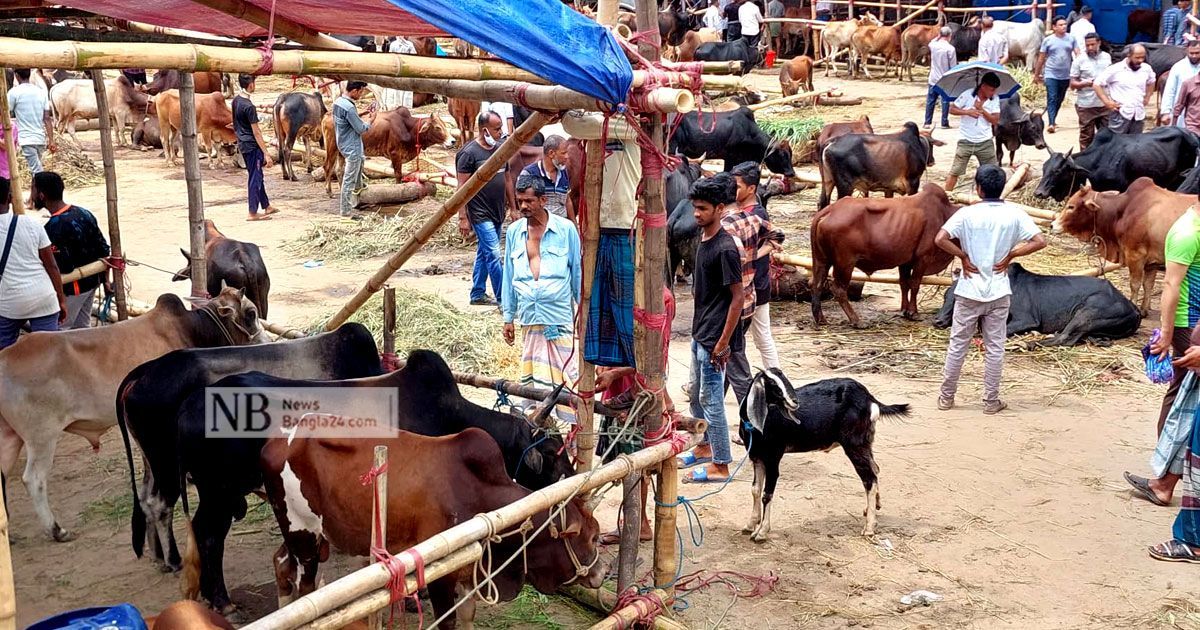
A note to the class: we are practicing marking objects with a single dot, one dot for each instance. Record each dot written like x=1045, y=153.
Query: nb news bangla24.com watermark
x=306, y=412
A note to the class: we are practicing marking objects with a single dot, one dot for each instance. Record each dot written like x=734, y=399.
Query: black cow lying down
x=1072, y=308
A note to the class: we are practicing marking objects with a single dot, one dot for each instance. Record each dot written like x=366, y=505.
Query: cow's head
x=869, y=18
x=1029, y=129
x=567, y=551
x=432, y=131
x=236, y=315
x=779, y=158
x=927, y=143
x=186, y=272
x=1061, y=177
x=786, y=83
x=545, y=461
x=1078, y=217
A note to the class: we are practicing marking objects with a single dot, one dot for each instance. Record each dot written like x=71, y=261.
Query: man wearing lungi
x=541, y=288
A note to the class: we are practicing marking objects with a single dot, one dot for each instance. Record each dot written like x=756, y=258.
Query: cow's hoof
x=912, y=317
x=749, y=529
x=868, y=532
x=61, y=535
x=858, y=325
x=758, y=537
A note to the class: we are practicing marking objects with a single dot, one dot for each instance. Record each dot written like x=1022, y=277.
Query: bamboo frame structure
x=593, y=185
x=626, y=617
x=379, y=510
x=10, y=147
x=793, y=98
x=110, y=191
x=892, y=5
x=195, y=190
x=255, y=15
x=90, y=269
x=605, y=601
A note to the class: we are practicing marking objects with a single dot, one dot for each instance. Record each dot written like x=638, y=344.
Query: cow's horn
x=541, y=419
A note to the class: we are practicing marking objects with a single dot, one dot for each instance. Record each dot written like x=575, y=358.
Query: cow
x=871, y=39
x=1071, y=308
x=965, y=38
x=686, y=51
x=914, y=45
x=52, y=383
x=188, y=615
x=214, y=125
x=231, y=263
x=1142, y=22
x=795, y=74
x=203, y=82
x=737, y=50
x=150, y=397
x=833, y=130
x=793, y=31
x=673, y=25
x=146, y=134
x=1018, y=126
x=874, y=234
x=425, y=47
x=429, y=403
x=75, y=99
x=1113, y=161
x=1024, y=39
x=465, y=113
x=1131, y=228
x=892, y=163
x=734, y=136
x=297, y=115
x=838, y=36
x=396, y=135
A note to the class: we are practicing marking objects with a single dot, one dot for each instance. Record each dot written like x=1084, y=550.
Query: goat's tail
x=879, y=409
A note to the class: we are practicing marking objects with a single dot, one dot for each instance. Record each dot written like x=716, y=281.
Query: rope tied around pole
x=489, y=593
x=267, y=48
x=397, y=585
x=648, y=607
x=389, y=361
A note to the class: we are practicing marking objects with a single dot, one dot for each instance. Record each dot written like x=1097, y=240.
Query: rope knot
x=370, y=476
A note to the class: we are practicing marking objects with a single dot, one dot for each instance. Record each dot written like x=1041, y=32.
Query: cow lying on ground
x=692, y=40
x=778, y=419
x=1113, y=161
x=214, y=125
x=734, y=136
x=396, y=135
x=437, y=483
x=297, y=116
x=231, y=263
x=737, y=50
x=875, y=234
x=1017, y=127
x=892, y=163
x=1131, y=228
x=1071, y=308
x=52, y=383
x=146, y=134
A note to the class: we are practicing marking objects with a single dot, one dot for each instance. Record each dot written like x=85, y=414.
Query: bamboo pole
x=1036, y=213
x=460, y=197
x=864, y=3
x=142, y=27
x=395, y=193
x=593, y=184
x=389, y=321
x=858, y=276
x=795, y=97
x=604, y=601
x=195, y=190
x=110, y=190
x=376, y=576
x=640, y=609
x=912, y=16
x=90, y=269
x=379, y=489
x=253, y=14
x=14, y=176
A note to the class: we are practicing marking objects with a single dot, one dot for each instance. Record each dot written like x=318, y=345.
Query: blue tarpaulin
x=545, y=37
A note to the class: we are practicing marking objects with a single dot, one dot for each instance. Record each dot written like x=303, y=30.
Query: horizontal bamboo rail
x=795, y=97
x=625, y=617
x=858, y=276
x=1037, y=213
x=603, y=600
x=91, y=269
x=546, y=97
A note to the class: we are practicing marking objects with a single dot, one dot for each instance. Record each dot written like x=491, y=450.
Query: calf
x=146, y=134
x=1071, y=308
x=734, y=136
x=214, y=125
x=914, y=45
x=396, y=135
x=231, y=263
x=1018, y=126
x=875, y=234
x=434, y=483
x=737, y=50
x=892, y=163
x=778, y=419
x=465, y=113
x=838, y=36
x=1114, y=161
x=795, y=74
x=297, y=115
x=871, y=39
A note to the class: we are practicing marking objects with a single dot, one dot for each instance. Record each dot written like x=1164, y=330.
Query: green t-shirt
x=1183, y=247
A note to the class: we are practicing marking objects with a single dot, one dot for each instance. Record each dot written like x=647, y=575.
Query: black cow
x=677, y=184
x=683, y=236
x=732, y=135
x=1191, y=182
x=224, y=471
x=893, y=163
x=150, y=397
x=231, y=263
x=737, y=50
x=1017, y=127
x=298, y=115
x=965, y=40
x=1113, y=161
x=1072, y=308
x=673, y=25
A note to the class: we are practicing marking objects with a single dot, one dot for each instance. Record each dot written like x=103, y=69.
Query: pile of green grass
x=1033, y=94
x=796, y=130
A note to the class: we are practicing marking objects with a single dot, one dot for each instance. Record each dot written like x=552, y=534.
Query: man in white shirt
x=504, y=111
x=30, y=286
x=713, y=18
x=1183, y=70
x=392, y=98
x=1081, y=27
x=941, y=58
x=1084, y=69
x=750, y=16
x=990, y=235
x=993, y=46
x=1125, y=89
x=30, y=106
x=979, y=109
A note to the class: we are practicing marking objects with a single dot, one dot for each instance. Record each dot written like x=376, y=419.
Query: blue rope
x=501, y=397
x=106, y=307
x=526, y=452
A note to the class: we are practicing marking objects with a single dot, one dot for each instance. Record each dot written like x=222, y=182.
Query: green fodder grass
x=795, y=129
x=1033, y=94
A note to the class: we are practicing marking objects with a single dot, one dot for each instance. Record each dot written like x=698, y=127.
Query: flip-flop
x=1174, y=550
x=700, y=475
x=269, y=211
x=1141, y=488
x=258, y=217
x=689, y=459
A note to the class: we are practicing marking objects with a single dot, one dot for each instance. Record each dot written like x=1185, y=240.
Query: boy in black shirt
x=253, y=149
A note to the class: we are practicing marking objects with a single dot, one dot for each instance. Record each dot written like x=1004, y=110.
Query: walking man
x=1081, y=28
x=541, y=290
x=1125, y=89
x=30, y=108
x=1175, y=23
x=1183, y=70
x=941, y=58
x=484, y=213
x=552, y=170
x=991, y=234
x=349, y=129
x=1054, y=68
x=30, y=286
x=1187, y=105
x=751, y=215
x=253, y=149
x=392, y=98
x=993, y=46
x=775, y=9
x=750, y=17
x=979, y=109
x=718, y=294
x=1091, y=111
x=76, y=240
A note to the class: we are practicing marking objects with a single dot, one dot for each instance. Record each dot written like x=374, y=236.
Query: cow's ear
x=324, y=549
x=1091, y=205
x=572, y=529
x=533, y=461
x=229, y=126
x=1037, y=113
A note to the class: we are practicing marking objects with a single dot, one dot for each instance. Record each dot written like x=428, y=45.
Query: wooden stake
x=294, y=31
x=379, y=505
x=460, y=197
x=389, y=323
x=195, y=190
x=807, y=263
x=592, y=191
x=110, y=191
x=14, y=176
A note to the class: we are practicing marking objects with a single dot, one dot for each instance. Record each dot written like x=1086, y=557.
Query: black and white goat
x=779, y=419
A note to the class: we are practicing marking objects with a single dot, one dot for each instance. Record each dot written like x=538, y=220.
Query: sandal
x=1141, y=488
x=689, y=459
x=1174, y=550
x=700, y=475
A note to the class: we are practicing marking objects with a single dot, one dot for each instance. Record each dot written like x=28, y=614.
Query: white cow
x=75, y=99
x=1024, y=39
x=837, y=36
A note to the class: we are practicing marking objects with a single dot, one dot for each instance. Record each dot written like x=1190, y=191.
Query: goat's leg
x=755, y=499
x=771, y=476
x=868, y=471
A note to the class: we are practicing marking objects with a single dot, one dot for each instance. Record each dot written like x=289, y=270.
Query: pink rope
x=266, y=49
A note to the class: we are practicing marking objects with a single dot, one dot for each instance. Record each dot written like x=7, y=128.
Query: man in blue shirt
x=1174, y=23
x=552, y=170
x=542, y=278
x=349, y=129
x=30, y=107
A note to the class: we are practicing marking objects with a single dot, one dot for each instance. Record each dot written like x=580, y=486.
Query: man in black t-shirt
x=484, y=213
x=253, y=149
x=717, y=289
x=76, y=241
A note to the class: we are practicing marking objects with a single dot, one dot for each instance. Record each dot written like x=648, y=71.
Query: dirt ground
x=1019, y=520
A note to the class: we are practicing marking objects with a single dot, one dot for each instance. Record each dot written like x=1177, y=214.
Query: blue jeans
x=1056, y=91
x=256, y=191
x=931, y=99
x=10, y=329
x=487, y=260
x=708, y=402
x=33, y=156
x=352, y=182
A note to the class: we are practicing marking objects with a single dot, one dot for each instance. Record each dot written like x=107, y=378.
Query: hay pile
x=469, y=342
x=800, y=132
x=373, y=236
x=76, y=168
x=1033, y=94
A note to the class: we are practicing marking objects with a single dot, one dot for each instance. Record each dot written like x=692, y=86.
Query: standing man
x=750, y=17
x=775, y=9
x=1125, y=89
x=1054, y=68
x=484, y=213
x=30, y=286
x=1187, y=105
x=506, y=114
x=76, y=241
x=349, y=129
x=1081, y=28
x=993, y=46
x=253, y=149
x=746, y=176
x=30, y=107
x=1091, y=111
x=717, y=291
x=713, y=18
x=991, y=234
x=980, y=109
x=393, y=98
x=1174, y=23
x=733, y=28
x=1179, y=306
x=824, y=10
x=941, y=58
x=541, y=290
x=1183, y=70
x=552, y=170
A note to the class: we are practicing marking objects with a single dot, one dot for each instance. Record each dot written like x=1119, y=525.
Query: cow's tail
x=189, y=582
x=137, y=517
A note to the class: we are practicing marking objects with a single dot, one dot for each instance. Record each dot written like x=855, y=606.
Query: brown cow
x=425, y=47
x=874, y=234
x=796, y=73
x=231, y=263
x=205, y=83
x=1131, y=228
x=465, y=113
x=914, y=44
x=792, y=31
x=214, y=125
x=396, y=135
x=891, y=163
x=837, y=36
x=434, y=484
x=870, y=39
x=188, y=615
x=686, y=51
x=837, y=129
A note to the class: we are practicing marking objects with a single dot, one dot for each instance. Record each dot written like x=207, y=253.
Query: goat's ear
x=787, y=393
x=755, y=404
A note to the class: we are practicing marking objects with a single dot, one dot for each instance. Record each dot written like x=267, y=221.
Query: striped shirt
x=748, y=229
x=557, y=187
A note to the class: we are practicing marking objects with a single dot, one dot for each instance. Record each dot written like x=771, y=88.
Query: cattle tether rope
x=267, y=48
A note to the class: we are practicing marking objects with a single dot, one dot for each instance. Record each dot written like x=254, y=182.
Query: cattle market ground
x=1019, y=520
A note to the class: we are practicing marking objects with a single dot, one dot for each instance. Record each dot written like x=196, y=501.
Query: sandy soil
x=1019, y=520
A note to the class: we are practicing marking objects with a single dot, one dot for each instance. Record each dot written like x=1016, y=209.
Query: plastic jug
x=769, y=60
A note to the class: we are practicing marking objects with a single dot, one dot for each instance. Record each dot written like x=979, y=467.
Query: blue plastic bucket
x=119, y=617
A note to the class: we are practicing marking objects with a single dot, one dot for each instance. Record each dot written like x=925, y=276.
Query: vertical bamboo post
x=1050, y=11
x=110, y=191
x=389, y=319
x=14, y=177
x=592, y=190
x=379, y=505
x=850, y=9
x=195, y=190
